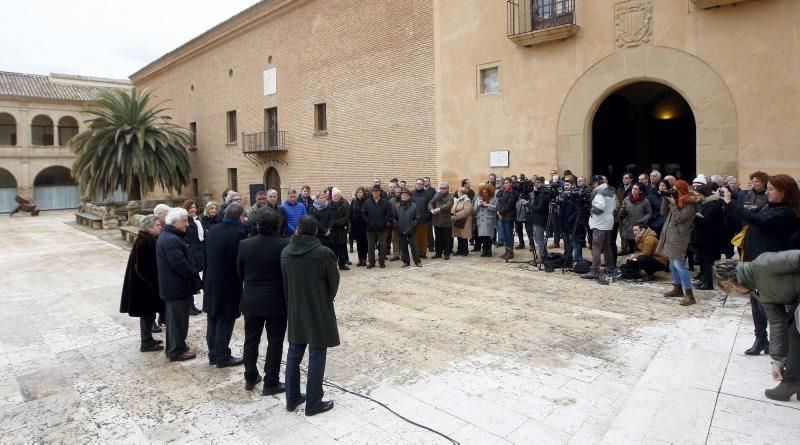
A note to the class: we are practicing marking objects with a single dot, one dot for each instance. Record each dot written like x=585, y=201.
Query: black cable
x=325, y=382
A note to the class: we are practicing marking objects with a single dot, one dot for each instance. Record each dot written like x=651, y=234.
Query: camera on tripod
x=581, y=198
x=523, y=185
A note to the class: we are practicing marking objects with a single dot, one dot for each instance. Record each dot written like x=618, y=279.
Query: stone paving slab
x=479, y=350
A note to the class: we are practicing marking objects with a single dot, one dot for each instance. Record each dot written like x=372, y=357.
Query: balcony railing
x=705, y=4
x=534, y=22
x=264, y=142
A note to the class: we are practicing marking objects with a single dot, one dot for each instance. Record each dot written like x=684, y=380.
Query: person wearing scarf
x=679, y=214
x=321, y=210
x=635, y=209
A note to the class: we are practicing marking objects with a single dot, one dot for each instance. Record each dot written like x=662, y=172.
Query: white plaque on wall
x=270, y=81
x=498, y=158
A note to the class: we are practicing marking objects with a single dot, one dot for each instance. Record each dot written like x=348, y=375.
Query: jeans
x=601, y=243
x=316, y=373
x=500, y=232
x=508, y=233
x=680, y=275
x=408, y=241
x=376, y=239
x=218, y=338
x=540, y=240
x=177, y=314
x=276, y=330
x=444, y=240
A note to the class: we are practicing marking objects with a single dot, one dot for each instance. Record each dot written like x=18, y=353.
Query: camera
x=523, y=185
x=581, y=198
x=671, y=193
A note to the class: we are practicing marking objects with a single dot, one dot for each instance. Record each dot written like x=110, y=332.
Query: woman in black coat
x=705, y=239
x=358, y=229
x=211, y=215
x=769, y=229
x=140, y=289
x=324, y=214
x=195, y=236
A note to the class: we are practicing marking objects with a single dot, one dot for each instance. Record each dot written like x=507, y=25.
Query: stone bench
x=129, y=233
x=89, y=219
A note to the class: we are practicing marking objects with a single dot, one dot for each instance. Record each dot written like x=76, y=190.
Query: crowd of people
x=278, y=264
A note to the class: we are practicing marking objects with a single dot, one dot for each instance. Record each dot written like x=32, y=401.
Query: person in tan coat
x=679, y=213
x=462, y=221
x=645, y=258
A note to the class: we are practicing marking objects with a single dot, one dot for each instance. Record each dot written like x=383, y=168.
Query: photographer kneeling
x=645, y=259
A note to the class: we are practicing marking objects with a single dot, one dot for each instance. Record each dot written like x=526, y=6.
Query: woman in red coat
x=140, y=289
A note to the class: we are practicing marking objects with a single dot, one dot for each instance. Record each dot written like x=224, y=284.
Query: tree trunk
x=135, y=193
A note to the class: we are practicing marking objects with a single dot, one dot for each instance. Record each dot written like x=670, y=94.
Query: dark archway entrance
x=55, y=188
x=641, y=127
x=272, y=180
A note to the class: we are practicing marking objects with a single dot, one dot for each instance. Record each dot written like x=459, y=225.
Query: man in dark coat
x=421, y=198
x=140, y=288
x=377, y=216
x=177, y=282
x=263, y=303
x=223, y=288
x=310, y=281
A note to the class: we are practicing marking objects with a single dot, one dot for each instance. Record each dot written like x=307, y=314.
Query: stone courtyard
x=476, y=349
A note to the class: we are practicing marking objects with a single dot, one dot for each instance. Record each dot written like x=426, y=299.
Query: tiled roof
x=55, y=86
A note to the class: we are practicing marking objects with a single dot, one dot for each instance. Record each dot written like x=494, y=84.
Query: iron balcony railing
x=267, y=141
x=533, y=15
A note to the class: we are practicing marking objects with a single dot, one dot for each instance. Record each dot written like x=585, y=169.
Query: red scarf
x=506, y=188
x=634, y=199
x=486, y=198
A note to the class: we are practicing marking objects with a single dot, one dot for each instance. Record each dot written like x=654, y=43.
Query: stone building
x=605, y=86
x=293, y=92
x=38, y=116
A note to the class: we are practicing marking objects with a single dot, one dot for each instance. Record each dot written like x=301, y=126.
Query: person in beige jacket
x=462, y=222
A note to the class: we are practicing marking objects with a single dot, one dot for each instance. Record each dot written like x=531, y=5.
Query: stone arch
x=42, y=130
x=272, y=180
x=67, y=129
x=8, y=129
x=8, y=190
x=705, y=91
x=55, y=188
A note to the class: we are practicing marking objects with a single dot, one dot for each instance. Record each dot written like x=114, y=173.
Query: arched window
x=8, y=129
x=42, y=130
x=67, y=129
x=8, y=190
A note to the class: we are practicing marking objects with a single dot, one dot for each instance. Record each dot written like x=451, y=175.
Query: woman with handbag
x=462, y=222
x=678, y=212
x=768, y=229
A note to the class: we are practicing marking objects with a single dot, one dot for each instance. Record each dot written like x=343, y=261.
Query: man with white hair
x=231, y=196
x=178, y=280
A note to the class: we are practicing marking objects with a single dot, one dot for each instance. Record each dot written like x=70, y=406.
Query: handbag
x=461, y=223
x=738, y=241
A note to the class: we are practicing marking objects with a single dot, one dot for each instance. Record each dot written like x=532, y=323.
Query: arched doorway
x=710, y=100
x=272, y=180
x=640, y=127
x=54, y=188
x=8, y=191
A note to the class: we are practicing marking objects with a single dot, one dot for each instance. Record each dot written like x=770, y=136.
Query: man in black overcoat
x=178, y=280
x=222, y=291
x=263, y=303
x=310, y=281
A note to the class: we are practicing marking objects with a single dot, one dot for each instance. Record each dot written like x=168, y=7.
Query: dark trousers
x=177, y=326
x=528, y=226
x=376, y=239
x=341, y=253
x=444, y=240
x=484, y=243
x=316, y=373
x=649, y=264
x=276, y=330
x=218, y=337
x=463, y=246
x=613, y=243
x=431, y=241
x=554, y=230
x=361, y=240
x=406, y=242
x=759, y=317
x=601, y=243
x=792, y=372
x=146, y=329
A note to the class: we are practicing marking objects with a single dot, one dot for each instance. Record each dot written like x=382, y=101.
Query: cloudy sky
x=103, y=38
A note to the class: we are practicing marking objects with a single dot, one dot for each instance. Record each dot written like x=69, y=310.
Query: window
x=195, y=188
x=233, y=179
x=320, y=119
x=42, y=130
x=8, y=129
x=490, y=80
x=67, y=129
x=231, y=120
x=271, y=126
x=193, y=130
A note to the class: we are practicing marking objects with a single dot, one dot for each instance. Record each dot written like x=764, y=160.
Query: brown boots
x=784, y=391
x=677, y=291
x=508, y=255
x=688, y=298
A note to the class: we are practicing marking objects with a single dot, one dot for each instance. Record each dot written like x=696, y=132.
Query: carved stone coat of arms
x=633, y=23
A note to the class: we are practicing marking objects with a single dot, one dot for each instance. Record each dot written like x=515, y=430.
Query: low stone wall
x=107, y=212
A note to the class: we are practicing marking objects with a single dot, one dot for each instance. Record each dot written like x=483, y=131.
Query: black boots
x=761, y=344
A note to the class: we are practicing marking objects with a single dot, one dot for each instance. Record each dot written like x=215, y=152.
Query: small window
x=490, y=80
x=233, y=179
x=193, y=130
x=195, y=188
x=231, y=127
x=320, y=118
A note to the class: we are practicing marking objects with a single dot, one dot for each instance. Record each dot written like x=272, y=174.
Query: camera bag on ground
x=630, y=271
x=582, y=266
x=554, y=261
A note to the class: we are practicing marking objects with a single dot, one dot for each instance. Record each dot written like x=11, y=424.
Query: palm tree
x=130, y=146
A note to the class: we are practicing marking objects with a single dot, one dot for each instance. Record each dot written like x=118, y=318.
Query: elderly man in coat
x=178, y=280
x=263, y=303
x=222, y=292
x=310, y=281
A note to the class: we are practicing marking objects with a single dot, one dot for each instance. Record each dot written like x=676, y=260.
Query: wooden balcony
x=536, y=22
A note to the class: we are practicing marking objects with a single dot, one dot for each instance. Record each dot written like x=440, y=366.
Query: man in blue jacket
x=292, y=211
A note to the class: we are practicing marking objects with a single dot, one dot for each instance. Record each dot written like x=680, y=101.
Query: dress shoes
x=293, y=405
x=272, y=390
x=395, y=258
x=186, y=355
x=155, y=328
x=370, y=266
x=194, y=310
x=250, y=384
x=230, y=361
x=405, y=265
x=436, y=257
x=761, y=344
x=446, y=257
x=423, y=256
x=348, y=262
x=382, y=265
x=151, y=347
x=418, y=264
x=344, y=268
x=321, y=408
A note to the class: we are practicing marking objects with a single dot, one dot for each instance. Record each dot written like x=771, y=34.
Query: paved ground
x=478, y=350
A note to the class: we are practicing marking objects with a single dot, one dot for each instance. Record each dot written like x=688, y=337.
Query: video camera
x=523, y=185
x=581, y=198
x=671, y=193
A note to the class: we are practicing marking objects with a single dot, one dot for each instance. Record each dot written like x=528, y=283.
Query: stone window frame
x=479, y=70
